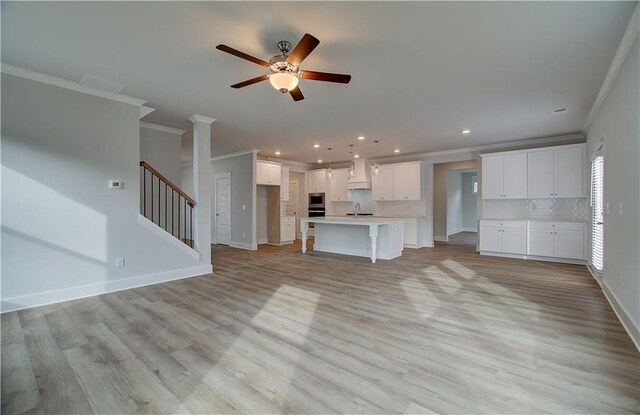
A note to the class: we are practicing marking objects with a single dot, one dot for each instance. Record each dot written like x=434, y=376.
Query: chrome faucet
x=356, y=209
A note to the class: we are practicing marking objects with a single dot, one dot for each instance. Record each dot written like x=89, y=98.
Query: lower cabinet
x=556, y=239
x=410, y=232
x=509, y=237
x=287, y=229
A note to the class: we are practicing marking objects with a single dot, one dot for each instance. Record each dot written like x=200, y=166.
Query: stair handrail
x=168, y=182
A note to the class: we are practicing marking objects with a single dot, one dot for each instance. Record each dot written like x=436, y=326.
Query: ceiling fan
x=285, y=68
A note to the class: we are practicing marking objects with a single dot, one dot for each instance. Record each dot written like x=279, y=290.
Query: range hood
x=361, y=180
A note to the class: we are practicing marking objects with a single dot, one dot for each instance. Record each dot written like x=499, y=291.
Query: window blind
x=597, y=213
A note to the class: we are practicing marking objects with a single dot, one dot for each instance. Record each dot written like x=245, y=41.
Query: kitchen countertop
x=376, y=216
x=349, y=220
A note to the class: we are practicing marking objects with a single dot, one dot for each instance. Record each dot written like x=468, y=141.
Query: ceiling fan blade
x=250, y=81
x=242, y=55
x=327, y=77
x=296, y=94
x=306, y=45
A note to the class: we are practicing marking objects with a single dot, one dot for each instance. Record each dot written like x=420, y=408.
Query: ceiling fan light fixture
x=283, y=81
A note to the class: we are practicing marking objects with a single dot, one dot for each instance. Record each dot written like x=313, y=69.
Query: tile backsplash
x=556, y=209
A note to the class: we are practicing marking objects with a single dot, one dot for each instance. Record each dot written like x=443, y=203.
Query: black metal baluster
x=179, y=196
x=151, y=186
x=191, y=225
x=144, y=190
x=165, y=206
x=173, y=210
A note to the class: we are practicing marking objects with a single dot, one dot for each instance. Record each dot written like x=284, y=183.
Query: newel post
x=202, y=185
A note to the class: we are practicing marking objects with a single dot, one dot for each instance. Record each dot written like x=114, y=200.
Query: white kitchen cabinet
x=407, y=181
x=338, y=185
x=508, y=237
x=382, y=184
x=287, y=229
x=316, y=181
x=504, y=176
x=284, y=184
x=401, y=181
x=556, y=239
x=556, y=173
x=268, y=173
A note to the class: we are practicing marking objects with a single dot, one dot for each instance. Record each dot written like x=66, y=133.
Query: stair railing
x=165, y=204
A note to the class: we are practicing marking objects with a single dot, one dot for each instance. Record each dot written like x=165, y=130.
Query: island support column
x=373, y=233
x=304, y=228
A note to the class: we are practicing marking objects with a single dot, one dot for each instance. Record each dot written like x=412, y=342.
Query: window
x=597, y=213
x=474, y=185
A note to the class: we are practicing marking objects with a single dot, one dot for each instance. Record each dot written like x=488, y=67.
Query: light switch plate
x=619, y=208
x=120, y=262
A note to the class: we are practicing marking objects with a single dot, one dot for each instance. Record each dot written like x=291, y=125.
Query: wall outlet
x=120, y=262
x=244, y=207
x=244, y=234
x=115, y=184
x=619, y=208
x=619, y=278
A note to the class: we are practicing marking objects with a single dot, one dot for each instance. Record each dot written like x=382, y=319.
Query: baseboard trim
x=535, y=258
x=242, y=245
x=625, y=319
x=469, y=229
x=439, y=238
x=91, y=290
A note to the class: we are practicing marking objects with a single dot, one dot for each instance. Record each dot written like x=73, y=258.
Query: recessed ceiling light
x=361, y=137
x=396, y=151
x=316, y=146
x=466, y=131
x=319, y=161
x=356, y=156
x=277, y=153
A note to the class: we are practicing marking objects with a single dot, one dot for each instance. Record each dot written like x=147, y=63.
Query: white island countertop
x=362, y=236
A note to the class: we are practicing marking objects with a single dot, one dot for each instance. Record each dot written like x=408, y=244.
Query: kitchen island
x=359, y=236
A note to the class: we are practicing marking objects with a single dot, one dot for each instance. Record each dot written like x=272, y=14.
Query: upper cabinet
x=284, y=184
x=551, y=172
x=504, y=176
x=268, y=173
x=402, y=181
x=556, y=173
x=338, y=185
x=316, y=181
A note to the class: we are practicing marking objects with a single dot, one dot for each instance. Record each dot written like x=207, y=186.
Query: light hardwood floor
x=437, y=330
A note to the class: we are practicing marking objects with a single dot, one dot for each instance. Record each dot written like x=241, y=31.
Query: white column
x=202, y=185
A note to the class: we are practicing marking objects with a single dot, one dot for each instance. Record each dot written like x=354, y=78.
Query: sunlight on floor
x=459, y=269
x=422, y=300
x=444, y=281
x=288, y=297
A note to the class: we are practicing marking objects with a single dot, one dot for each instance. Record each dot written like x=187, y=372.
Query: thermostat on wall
x=116, y=184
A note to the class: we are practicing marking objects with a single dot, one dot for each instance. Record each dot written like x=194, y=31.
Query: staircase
x=163, y=203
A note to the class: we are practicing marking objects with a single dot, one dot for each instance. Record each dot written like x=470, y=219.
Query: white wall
x=618, y=120
x=454, y=202
x=469, y=203
x=162, y=151
x=62, y=229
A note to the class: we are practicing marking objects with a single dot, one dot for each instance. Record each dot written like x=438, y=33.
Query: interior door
x=223, y=209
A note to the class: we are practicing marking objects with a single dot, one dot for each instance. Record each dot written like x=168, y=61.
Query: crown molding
x=70, y=85
x=235, y=154
x=286, y=162
x=162, y=128
x=201, y=118
x=530, y=142
x=630, y=36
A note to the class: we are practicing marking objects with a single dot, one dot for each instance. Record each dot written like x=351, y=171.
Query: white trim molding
x=623, y=315
x=628, y=39
x=73, y=86
x=201, y=118
x=235, y=154
x=161, y=128
x=84, y=291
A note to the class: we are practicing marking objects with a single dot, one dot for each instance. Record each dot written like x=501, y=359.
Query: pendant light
x=352, y=165
x=330, y=170
x=376, y=167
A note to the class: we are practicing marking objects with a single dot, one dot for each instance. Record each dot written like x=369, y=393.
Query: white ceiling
x=422, y=71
